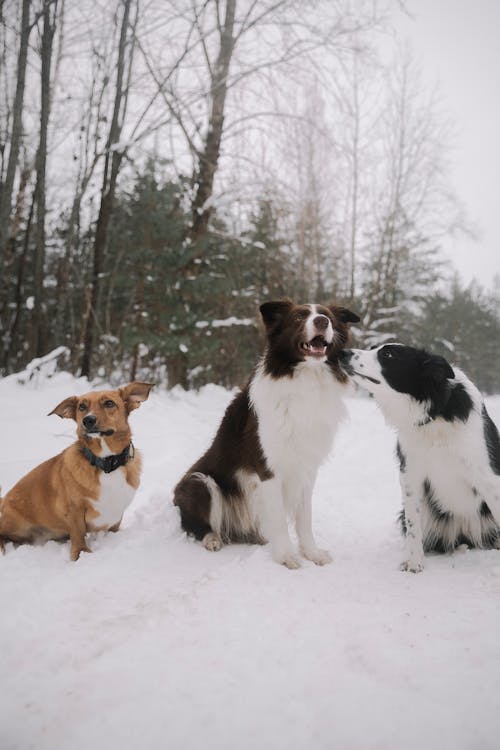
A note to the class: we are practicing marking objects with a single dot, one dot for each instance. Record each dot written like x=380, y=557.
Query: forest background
x=167, y=165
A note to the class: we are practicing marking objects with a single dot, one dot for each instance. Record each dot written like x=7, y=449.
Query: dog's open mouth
x=93, y=432
x=365, y=377
x=316, y=347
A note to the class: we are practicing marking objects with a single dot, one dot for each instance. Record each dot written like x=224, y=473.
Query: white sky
x=457, y=45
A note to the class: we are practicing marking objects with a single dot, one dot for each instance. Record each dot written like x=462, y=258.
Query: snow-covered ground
x=154, y=643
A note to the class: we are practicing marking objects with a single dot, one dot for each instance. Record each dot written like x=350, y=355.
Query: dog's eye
x=387, y=354
x=109, y=404
x=82, y=407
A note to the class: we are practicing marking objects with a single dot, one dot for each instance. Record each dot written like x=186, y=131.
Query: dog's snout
x=345, y=355
x=89, y=421
x=321, y=322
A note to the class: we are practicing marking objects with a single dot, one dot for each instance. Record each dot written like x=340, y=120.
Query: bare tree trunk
x=139, y=305
x=209, y=156
x=16, y=132
x=355, y=179
x=111, y=169
x=49, y=27
x=19, y=293
x=5, y=305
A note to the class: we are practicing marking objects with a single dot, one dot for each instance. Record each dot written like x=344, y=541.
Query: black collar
x=109, y=463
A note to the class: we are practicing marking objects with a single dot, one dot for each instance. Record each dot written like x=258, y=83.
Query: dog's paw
x=291, y=561
x=318, y=556
x=412, y=566
x=212, y=541
x=75, y=552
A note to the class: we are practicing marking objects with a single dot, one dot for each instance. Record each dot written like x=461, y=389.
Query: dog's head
x=103, y=413
x=397, y=369
x=303, y=333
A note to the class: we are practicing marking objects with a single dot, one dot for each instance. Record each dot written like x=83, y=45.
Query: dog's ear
x=66, y=409
x=343, y=314
x=438, y=368
x=273, y=312
x=134, y=394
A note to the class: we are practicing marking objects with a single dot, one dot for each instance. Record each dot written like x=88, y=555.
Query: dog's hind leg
x=194, y=498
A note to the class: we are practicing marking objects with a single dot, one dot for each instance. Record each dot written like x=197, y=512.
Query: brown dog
x=86, y=487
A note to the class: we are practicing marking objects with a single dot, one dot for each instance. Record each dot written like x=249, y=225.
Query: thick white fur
x=298, y=417
x=453, y=456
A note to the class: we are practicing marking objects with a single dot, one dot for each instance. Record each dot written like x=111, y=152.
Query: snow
x=152, y=642
x=226, y=322
x=232, y=321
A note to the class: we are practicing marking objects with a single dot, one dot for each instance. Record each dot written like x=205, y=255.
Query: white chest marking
x=298, y=417
x=116, y=494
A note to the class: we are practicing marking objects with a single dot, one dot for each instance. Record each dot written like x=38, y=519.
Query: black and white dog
x=448, y=448
x=261, y=467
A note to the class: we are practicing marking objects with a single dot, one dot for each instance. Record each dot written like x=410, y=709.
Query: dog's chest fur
x=115, y=496
x=297, y=417
x=448, y=456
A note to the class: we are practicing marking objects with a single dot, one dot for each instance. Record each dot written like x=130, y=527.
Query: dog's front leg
x=77, y=531
x=411, y=495
x=303, y=525
x=275, y=526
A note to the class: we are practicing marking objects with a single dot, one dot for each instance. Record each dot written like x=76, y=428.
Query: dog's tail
x=206, y=509
x=216, y=515
x=230, y=516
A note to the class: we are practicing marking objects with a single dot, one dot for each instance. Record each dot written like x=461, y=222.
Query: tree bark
x=209, y=157
x=49, y=27
x=111, y=169
x=16, y=132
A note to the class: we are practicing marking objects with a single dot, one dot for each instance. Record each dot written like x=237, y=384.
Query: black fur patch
x=458, y=406
x=433, y=503
x=425, y=377
x=490, y=531
x=492, y=440
x=401, y=458
x=193, y=498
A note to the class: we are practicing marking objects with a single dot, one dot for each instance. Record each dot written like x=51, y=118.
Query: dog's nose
x=321, y=322
x=345, y=355
x=89, y=421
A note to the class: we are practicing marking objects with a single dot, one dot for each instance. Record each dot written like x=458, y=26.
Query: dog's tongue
x=317, y=345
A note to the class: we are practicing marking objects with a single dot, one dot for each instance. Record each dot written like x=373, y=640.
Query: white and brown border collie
x=261, y=467
x=448, y=448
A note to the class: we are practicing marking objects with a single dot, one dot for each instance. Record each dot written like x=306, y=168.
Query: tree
x=15, y=136
x=112, y=163
x=49, y=16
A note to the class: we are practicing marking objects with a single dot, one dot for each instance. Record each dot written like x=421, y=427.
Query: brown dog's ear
x=343, y=314
x=273, y=312
x=134, y=394
x=66, y=408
